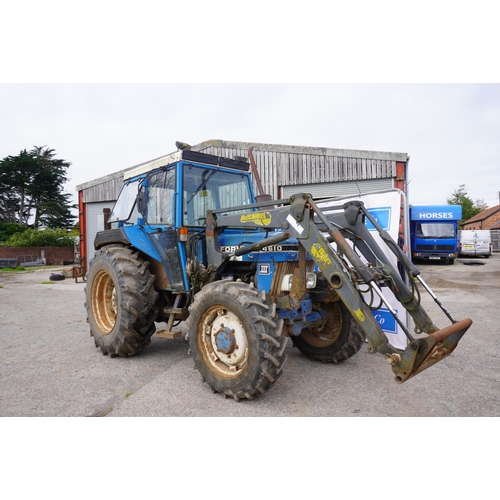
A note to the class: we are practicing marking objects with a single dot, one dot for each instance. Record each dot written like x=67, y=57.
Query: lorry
x=475, y=242
x=190, y=243
x=433, y=232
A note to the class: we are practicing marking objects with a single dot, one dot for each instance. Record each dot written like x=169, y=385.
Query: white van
x=474, y=242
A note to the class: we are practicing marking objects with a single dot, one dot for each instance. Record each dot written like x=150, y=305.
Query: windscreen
x=434, y=230
x=211, y=189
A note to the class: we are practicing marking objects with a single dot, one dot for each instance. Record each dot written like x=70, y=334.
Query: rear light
x=183, y=234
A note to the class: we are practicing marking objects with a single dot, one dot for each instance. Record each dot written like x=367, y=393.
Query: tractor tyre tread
x=267, y=345
x=136, y=306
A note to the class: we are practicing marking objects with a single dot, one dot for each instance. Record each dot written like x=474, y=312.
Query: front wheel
x=340, y=337
x=235, y=339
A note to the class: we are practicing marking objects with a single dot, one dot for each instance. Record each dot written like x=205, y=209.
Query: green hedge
x=41, y=238
x=7, y=229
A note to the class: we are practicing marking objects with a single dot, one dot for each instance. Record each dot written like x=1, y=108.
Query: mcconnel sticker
x=319, y=253
x=258, y=218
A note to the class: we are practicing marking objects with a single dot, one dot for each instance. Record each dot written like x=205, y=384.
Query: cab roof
x=194, y=156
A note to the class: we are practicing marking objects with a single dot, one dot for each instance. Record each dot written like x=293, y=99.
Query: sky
x=450, y=131
x=116, y=84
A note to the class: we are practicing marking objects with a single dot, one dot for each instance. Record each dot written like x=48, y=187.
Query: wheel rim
x=104, y=302
x=323, y=337
x=223, y=342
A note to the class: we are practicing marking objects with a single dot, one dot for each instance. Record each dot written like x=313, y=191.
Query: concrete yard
x=50, y=367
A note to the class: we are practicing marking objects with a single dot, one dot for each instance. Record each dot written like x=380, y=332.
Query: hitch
x=422, y=353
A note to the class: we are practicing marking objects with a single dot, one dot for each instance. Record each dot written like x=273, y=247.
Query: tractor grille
x=280, y=270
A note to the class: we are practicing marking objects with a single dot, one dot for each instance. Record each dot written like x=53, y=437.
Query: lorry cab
x=433, y=232
x=474, y=242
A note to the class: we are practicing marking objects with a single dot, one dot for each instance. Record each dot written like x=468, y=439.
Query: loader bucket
x=424, y=352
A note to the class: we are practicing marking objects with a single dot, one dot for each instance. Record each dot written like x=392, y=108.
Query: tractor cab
x=159, y=210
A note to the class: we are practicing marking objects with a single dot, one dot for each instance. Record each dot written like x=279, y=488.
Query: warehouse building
x=284, y=171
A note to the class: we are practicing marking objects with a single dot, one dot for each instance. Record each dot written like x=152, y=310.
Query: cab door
x=160, y=228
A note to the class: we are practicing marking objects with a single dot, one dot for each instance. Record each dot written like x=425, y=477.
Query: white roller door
x=348, y=188
x=95, y=223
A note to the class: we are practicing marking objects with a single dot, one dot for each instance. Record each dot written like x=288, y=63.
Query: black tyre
x=235, y=339
x=120, y=301
x=340, y=338
x=56, y=277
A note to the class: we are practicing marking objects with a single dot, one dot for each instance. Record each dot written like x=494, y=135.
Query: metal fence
x=495, y=240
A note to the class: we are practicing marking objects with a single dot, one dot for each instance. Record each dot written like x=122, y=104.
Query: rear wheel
x=339, y=339
x=235, y=339
x=120, y=301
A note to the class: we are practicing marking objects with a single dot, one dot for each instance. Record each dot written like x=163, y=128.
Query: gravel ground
x=50, y=367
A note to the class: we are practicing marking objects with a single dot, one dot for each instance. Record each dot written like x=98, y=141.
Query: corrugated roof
x=311, y=150
x=483, y=215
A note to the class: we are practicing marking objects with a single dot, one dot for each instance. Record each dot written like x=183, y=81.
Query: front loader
x=191, y=244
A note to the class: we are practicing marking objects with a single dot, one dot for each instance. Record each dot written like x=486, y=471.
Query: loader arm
x=300, y=217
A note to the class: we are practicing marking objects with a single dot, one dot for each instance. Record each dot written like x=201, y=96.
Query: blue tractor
x=189, y=242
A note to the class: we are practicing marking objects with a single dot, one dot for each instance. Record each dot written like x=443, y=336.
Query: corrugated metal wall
x=280, y=165
x=106, y=191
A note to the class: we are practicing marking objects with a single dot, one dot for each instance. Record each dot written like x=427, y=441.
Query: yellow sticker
x=320, y=255
x=359, y=314
x=258, y=218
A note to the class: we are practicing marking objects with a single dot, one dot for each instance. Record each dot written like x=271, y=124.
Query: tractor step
x=165, y=334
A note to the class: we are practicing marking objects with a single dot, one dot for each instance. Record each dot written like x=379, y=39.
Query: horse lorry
x=190, y=243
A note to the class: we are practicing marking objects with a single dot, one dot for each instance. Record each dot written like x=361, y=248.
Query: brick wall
x=492, y=220
x=485, y=223
x=53, y=255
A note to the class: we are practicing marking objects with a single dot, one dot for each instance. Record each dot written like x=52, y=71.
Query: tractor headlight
x=286, y=282
x=311, y=280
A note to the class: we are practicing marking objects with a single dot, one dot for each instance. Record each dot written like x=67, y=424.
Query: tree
x=481, y=205
x=31, y=190
x=469, y=208
x=16, y=175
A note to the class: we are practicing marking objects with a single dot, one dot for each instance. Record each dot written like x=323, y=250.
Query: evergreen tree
x=31, y=190
x=16, y=176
